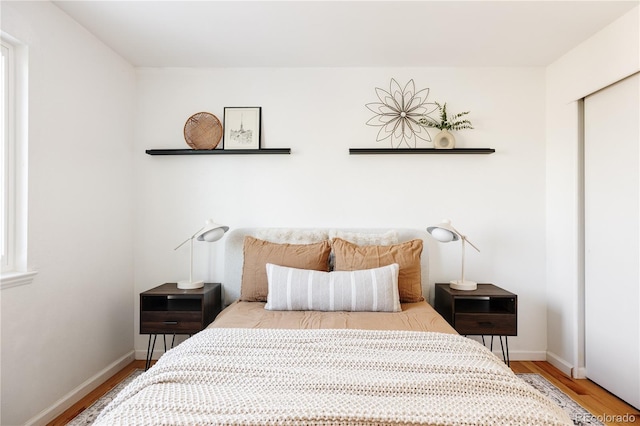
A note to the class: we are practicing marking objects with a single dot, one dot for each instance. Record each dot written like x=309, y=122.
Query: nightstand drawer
x=487, y=324
x=162, y=322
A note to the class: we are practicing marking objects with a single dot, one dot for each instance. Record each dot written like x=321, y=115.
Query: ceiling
x=343, y=33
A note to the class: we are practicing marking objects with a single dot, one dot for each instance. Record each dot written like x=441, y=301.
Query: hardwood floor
x=603, y=405
x=94, y=395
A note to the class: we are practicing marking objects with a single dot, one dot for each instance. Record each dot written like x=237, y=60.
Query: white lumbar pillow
x=372, y=290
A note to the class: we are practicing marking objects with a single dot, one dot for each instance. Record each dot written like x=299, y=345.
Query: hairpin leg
x=150, y=349
x=505, y=355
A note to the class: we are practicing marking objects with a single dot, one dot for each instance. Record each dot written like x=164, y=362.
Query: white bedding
x=346, y=377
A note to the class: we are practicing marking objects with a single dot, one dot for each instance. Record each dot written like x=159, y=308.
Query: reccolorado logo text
x=607, y=418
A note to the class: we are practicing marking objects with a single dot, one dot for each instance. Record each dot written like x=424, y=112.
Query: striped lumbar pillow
x=373, y=290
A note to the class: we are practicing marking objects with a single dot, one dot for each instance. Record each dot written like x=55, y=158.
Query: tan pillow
x=257, y=253
x=351, y=257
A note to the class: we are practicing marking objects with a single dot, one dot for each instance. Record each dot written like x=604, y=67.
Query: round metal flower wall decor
x=399, y=112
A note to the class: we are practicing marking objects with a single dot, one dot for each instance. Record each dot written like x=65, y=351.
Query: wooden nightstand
x=487, y=311
x=168, y=310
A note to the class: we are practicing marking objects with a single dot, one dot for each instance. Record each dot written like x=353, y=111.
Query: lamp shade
x=444, y=232
x=211, y=232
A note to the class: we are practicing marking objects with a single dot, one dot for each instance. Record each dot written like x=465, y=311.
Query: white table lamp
x=210, y=232
x=445, y=232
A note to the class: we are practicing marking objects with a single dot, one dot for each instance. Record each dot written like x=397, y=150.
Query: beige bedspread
x=329, y=377
x=418, y=316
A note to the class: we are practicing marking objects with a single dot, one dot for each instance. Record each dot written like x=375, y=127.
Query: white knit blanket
x=329, y=377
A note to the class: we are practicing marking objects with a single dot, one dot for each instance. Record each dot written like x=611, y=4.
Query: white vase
x=444, y=140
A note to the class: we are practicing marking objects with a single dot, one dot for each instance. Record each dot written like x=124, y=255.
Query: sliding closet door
x=612, y=238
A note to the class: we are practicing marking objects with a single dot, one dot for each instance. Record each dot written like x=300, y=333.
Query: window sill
x=15, y=279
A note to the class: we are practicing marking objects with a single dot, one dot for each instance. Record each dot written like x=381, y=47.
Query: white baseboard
x=81, y=391
x=142, y=354
x=159, y=350
x=580, y=373
x=522, y=355
x=560, y=363
x=514, y=355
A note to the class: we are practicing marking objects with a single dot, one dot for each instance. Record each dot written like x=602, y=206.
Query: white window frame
x=14, y=160
x=7, y=156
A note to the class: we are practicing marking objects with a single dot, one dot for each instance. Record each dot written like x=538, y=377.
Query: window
x=7, y=163
x=13, y=158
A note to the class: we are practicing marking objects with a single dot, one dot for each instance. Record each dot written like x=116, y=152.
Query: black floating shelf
x=357, y=151
x=218, y=151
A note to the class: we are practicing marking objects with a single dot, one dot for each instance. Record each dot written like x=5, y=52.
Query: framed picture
x=242, y=127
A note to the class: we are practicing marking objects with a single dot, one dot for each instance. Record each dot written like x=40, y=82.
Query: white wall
x=76, y=318
x=603, y=59
x=498, y=199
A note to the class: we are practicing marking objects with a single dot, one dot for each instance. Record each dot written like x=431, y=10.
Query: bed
x=329, y=327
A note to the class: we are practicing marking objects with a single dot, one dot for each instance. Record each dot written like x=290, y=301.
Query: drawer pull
x=485, y=323
x=171, y=322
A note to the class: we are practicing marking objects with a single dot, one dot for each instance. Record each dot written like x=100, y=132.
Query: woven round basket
x=203, y=131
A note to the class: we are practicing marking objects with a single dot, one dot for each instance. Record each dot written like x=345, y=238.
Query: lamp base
x=190, y=285
x=463, y=285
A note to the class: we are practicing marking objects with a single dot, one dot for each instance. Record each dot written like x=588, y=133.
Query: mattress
x=419, y=316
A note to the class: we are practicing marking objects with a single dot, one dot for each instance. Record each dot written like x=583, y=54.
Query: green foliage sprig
x=446, y=122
